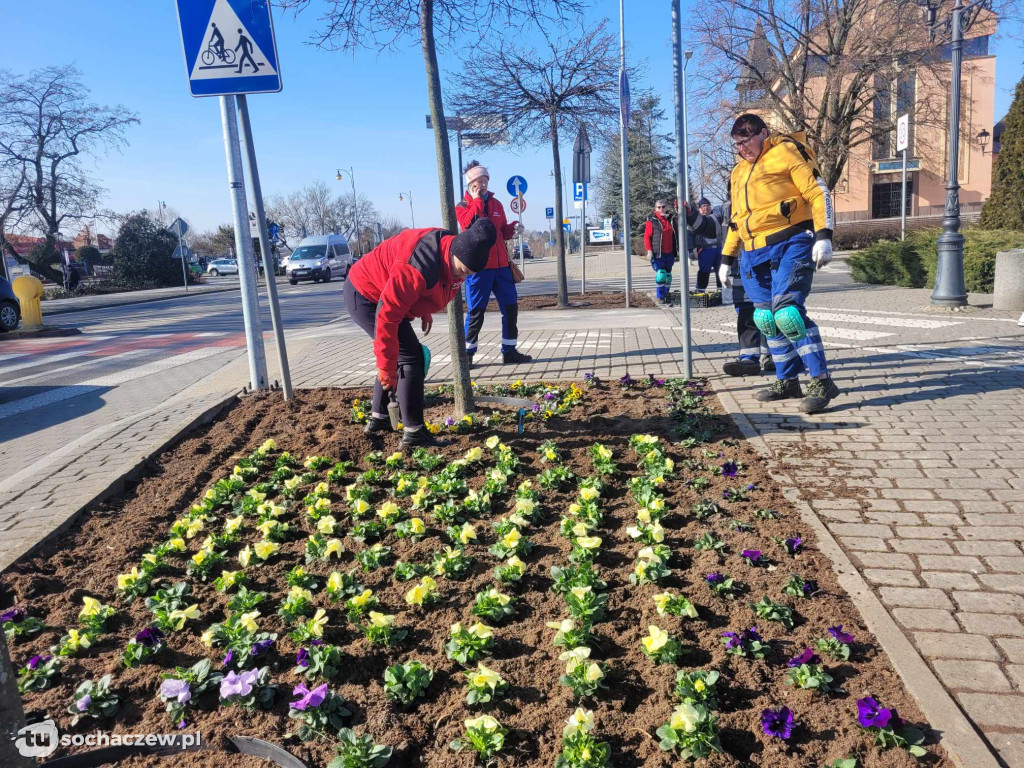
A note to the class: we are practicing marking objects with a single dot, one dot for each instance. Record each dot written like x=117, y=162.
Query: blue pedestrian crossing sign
x=229, y=47
x=516, y=186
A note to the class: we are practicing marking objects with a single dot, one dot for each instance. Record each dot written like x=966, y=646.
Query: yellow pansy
x=317, y=623
x=299, y=593
x=378, y=619
x=647, y=553
x=150, y=558
x=518, y=520
x=686, y=718
x=589, y=494
x=248, y=620
x=580, y=721
x=177, y=544
x=515, y=563
x=321, y=489
x=207, y=638
x=232, y=524
x=655, y=640
x=78, y=640
x=593, y=673
x=581, y=592
x=193, y=528
x=643, y=516
x=657, y=532
x=698, y=685
x=245, y=556
x=265, y=549
x=525, y=506
x=467, y=534
x=229, y=577
x=661, y=601
x=210, y=495
x=502, y=599
x=334, y=582
x=574, y=509
x=292, y=483
x=492, y=442
x=125, y=580
x=268, y=445
x=417, y=526
x=474, y=454
x=550, y=454
x=389, y=511
x=580, y=529
x=180, y=616
x=485, y=678
x=641, y=568
x=258, y=496
x=482, y=723
x=657, y=505
x=669, y=464
x=91, y=607
x=481, y=631
x=360, y=507
x=565, y=625
x=321, y=505
x=394, y=458
x=403, y=483
x=363, y=598
x=574, y=658
x=604, y=452
x=416, y=595
x=511, y=539
x=267, y=526
x=326, y=524
x=200, y=557
x=588, y=542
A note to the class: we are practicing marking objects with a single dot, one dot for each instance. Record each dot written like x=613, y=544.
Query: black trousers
x=411, y=361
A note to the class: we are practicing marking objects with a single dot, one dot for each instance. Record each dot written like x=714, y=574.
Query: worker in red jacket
x=497, y=278
x=409, y=276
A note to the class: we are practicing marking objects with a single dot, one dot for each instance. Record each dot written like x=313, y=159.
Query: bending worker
x=782, y=219
x=409, y=276
x=497, y=277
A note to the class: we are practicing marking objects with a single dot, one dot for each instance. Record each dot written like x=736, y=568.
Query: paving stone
x=925, y=532
x=946, y=580
x=993, y=624
x=1016, y=673
x=971, y=675
x=988, y=548
x=921, y=546
x=1006, y=564
x=989, y=602
x=859, y=544
x=949, y=645
x=891, y=577
x=950, y=563
x=926, y=618
x=915, y=598
x=885, y=560
x=1014, y=649
x=1002, y=582
x=1004, y=711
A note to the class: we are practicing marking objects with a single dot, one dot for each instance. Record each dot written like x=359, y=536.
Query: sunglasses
x=744, y=142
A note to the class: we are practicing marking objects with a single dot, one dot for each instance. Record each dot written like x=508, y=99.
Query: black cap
x=703, y=201
x=473, y=246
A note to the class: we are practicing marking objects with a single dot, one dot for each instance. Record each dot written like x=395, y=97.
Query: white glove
x=822, y=252
x=725, y=275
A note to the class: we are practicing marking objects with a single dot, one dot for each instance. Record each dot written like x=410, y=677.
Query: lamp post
x=412, y=213
x=355, y=205
x=679, y=62
x=950, y=290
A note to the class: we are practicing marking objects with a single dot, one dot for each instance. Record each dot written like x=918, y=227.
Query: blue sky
x=336, y=110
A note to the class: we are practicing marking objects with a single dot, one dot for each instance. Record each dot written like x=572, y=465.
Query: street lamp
x=950, y=290
x=412, y=213
x=982, y=137
x=355, y=205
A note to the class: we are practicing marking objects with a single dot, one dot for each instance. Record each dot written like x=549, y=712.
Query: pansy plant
x=674, y=605
x=321, y=713
x=691, y=732
x=585, y=549
x=575, y=575
x=379, y=629
x=804, y=671
x=318, y=661
x=94, y=698
x=423, y=595
x=579, y=747
x=697, y=687
x=484, y=686
x=768, y=609
x=754, y=557
x=888, y=727
x=74, y=642
x=778, y=722
x=746, y=643
x=585, y=604
x=797, y=586
x=556, y=478
x=404, y=571
x=38, y=673
x=511, y=543
x=133, y=584
x=343, y=585
x=494, y=606
x=248, y=689
x=484, y=735
x=414, y=528
x=467, y=645
x=837, y=645
x=582, y=676
x=184, y=684
x=650, y=568
x=706, y=508
x=320, y=548
x=511, y=571
x=144, y=647
x=569, y=634
x=310, y=629
x=660, y=646
x=359, y=751
x=452, y=563
x=709, y=543
x=296, y=605
x=229, y=580
x=373, y=557
x=405, y=683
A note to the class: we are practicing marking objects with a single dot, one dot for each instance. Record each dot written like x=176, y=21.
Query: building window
x=885, y=198
x=892, y=99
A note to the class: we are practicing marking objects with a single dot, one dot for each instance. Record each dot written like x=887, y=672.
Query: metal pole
x=627, y=234
x=268, y=261
x=903, y=200
x=950, y=290
x=243, y=246
x=355, y=209
x=412, y=213
x=583, y=243
x=462, y=181
x=680, y=103
x=181, y=250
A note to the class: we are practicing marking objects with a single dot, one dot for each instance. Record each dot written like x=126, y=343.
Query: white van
x=319, y=258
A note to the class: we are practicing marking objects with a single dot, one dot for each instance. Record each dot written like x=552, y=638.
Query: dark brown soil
x=604, y=300
x=111, y=538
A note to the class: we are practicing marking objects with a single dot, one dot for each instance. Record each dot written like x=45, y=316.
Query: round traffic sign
x=518, y=204
x=516, y=186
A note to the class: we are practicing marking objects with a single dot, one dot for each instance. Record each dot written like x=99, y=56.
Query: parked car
x=527, y=250
x=10, y=308
x=222, y=267
x=319, y=258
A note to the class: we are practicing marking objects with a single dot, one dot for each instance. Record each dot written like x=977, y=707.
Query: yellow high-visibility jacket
x=777, y=196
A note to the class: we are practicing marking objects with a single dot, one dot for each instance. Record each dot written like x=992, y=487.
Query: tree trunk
x=456, y=333
x=563, y=288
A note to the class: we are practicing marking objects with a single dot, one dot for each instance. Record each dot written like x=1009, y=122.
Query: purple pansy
x=810, y=587
x=729, y=469
x=714, y=578
x=807, y=657
x=229, y=656
x=751, y=487
x=35, y=661
x=778, y=722
x=15, y=615
x=149, y=637
x=793, y=544
x=308, y=698
x=843, y=637
x=260, y=647
x=302, y=658
x=871, y=714
x=238, y=685
x=536, y=407
x=735, y=641
x=741, y=638
x=176, y=689
x=753, y=555
x=588, y=376
x=83, y=703
x=449, y=422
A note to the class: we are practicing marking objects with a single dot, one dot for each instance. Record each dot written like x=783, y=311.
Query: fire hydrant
x=29, y=291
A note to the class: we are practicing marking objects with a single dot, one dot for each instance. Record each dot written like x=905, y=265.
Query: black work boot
x=781, y=389
x=515, y=357
x=420, y=438
x=742, y=367
x=470, y=356
x=767, y=364
x=820, y=392
x=374, y=425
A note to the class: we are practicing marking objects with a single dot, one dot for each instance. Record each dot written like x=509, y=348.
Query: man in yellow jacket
x=782, y=220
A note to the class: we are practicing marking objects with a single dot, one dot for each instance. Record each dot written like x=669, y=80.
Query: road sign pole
x=181, y=250
x=268, y=260
x=903, y=200
x=583, y=244
x=626, y=230
x=522, y=256
x=243, y=246
x=681, y=191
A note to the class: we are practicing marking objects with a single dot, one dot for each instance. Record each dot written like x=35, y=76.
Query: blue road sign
x=516, y=186
x=579, y=191
x=273, y=232
x=549, y=213
x=567, y=227
x=229, y=47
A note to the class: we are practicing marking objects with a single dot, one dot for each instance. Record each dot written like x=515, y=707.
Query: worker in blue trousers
x=782, y=219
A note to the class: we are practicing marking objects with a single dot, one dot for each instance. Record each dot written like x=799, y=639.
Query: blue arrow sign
x=229, y=47
x=549, y=213
x=516, y=186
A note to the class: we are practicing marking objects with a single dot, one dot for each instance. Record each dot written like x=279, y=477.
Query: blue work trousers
x=666, y=261
x=479, y=288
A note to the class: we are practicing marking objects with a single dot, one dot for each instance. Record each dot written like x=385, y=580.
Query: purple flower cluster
x=793, y=544
x=83, y=703
x=627, y=381
x=729, y=469
x=588, y=376
x=778, y=722
x=653, y=382
x=13, y=615
x=35, y=661
x=308, y=698
x=753, y=556
x=260, y=647
x=150, y=637
x=810, y=587
x=176, y=689
x=843, y=637
x=714, y=578
x=234, y=684
x=742, y=638
x=807, y=657
x=871, y=714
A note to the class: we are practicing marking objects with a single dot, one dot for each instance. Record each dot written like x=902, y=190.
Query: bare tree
x=13, y=206
x=571, y=80
x=382, y=24
x=317, y=209
x=48, y=125
x=817, y=66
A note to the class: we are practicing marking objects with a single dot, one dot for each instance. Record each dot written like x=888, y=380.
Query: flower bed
x=621, y=581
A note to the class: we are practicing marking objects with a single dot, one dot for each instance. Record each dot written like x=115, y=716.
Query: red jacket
x=472, y=208
x=667, y=236
x=409, y=276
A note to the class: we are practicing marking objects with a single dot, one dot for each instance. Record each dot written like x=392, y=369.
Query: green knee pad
x=791, y=323
x=663, y=277
x=765, y=322
x=426, y=360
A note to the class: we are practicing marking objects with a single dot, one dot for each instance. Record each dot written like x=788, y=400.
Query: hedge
x=912, y=263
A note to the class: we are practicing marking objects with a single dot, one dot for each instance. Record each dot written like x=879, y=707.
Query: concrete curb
x=957, y=734
x=46, y=332
x=118, y=484
x=140, y=300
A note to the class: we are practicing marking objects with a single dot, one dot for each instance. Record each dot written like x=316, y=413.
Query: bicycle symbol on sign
x=215, y=50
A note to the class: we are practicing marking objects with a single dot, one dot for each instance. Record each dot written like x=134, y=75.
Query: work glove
x=650, y=255
x=822, y=253
x=388, y=379
x=725, y=275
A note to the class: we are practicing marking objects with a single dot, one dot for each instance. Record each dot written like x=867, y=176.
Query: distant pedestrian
x=709, y=251
x=662, y=247
x=411, y=275
x=246, y=46
x=497, y=278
